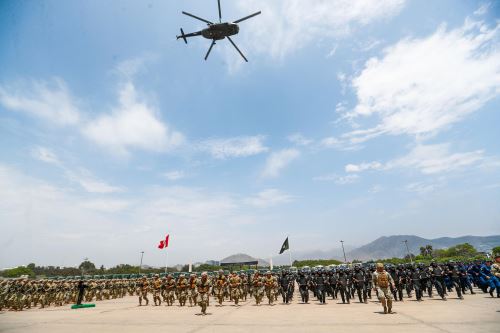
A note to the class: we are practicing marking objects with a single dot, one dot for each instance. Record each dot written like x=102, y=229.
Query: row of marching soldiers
x=23, y=293
x=223, y=287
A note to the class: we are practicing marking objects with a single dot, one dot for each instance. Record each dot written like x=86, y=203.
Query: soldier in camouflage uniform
x=142, y=289
x=170, y=289
x=220, y=286
x=203, y=292
x=192, y=291
x=156, y=290
x=182, y=288
x=234, y=285
x=269, y=285
x=258, y=287
x=383, y=282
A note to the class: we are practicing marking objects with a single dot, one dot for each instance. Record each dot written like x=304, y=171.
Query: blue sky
x=352, y=120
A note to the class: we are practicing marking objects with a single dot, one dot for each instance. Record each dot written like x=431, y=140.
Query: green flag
x=285, y=246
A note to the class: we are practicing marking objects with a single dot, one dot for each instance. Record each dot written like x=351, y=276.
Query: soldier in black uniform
x=424, y=281
x=437, y=277
x=286, y=282
x=396, y=291
x=415, y=280
x=303, y=281
x=332, y=283
x=454, y=276
x=342, y=286
x=358, y=281
x=320, y=286
x=464, y=281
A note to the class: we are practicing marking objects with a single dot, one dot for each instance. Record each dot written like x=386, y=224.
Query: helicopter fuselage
x=220, y=31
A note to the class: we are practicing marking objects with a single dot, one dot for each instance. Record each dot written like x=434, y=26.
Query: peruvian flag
x=164, y=243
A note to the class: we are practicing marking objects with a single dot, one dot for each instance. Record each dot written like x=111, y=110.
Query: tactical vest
x=383, y=280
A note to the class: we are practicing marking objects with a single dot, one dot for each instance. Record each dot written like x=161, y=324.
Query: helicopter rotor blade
x=196, y=17
x=236, y=47
x=247, y=17
x=220, y=13
x=210, y=49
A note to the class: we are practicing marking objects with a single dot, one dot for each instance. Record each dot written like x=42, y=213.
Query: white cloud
x=269, y=198
x=45, y=155
x=92, y=185
x=299, y=139
x=420, y=188
x=339, y=180
x=428, y=159
x=422, y=86
x=174, y=175
x=82, y=177
x=133, y=124
x=289, y=25
x=483, y=9
x=277, y=161
x=437, y=158
x=190, y=204
x=49, y=100
x=363, y=167
x=106, y=205
x=376, y=189
x=241, y=146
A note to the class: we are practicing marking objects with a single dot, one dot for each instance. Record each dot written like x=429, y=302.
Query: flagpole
x=166, y=263
x=289, y=251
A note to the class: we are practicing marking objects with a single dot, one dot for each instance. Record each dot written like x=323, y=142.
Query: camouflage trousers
x=258, y=293
x=170, y=297
x=203, y=302
x=193, y=297
x=183, y=295
x=219, y=293
x=384, y=293
x=143, y=295
x=235, y=295
x=270, y=294
x=156, y=296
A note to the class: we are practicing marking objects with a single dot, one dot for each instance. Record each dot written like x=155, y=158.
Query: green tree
x=495, y=251
x=87, y=267
x=17, y=272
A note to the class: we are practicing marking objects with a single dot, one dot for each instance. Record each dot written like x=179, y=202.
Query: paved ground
x=477, y=313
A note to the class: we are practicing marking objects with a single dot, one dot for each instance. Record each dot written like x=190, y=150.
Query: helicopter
x=217, y=31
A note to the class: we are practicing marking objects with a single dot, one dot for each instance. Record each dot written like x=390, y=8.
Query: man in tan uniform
x=383, y=282
x=234, y=285
x=143, y=288
x=157, y=290
x=203, y=291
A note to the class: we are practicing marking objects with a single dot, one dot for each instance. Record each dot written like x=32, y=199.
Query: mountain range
x=392, y=246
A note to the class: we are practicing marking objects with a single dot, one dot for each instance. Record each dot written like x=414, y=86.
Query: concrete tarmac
x=477, y=313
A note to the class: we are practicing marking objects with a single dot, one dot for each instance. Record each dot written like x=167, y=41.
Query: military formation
x=343, y=283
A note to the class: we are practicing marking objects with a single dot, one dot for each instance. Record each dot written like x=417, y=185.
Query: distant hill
x=393, y=246
x=241, y=257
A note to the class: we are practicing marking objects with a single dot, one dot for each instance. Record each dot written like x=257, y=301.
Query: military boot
x=384, y=304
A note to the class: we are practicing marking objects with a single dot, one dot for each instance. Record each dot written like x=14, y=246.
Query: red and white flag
x=164, y=243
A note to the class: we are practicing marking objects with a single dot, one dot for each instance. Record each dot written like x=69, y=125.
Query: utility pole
x=345, y=259
x=140, y=265
x=408, y=250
